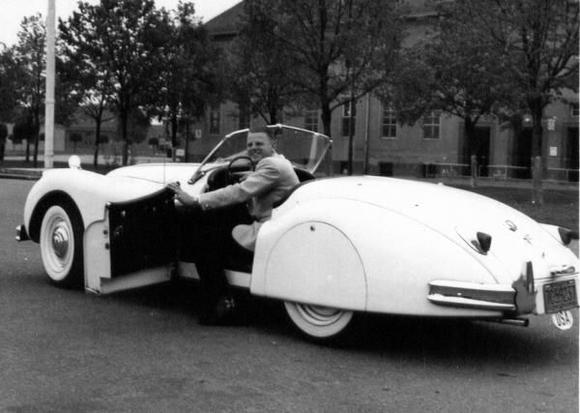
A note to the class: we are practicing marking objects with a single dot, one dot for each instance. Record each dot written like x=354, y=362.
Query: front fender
x=89, y=192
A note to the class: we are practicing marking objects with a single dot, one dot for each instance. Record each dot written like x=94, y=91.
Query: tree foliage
x=3, y=136
x=139, y=59
x=187, y=76
x=331, y=50
x=539, y=43
x=10, y=74
x=30, y=56
x=260, y=74
x=121, y=41
x=454, y=70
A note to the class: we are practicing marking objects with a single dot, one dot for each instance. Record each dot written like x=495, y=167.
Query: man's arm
x=261, y=180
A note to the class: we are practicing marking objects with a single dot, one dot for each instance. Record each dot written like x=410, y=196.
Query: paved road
x=65, y=351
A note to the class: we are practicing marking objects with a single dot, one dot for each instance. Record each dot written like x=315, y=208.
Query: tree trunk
x=469, y=136
x=97, y=143
x=186, y=157
x=124, y=120
x=173, y=136
x=537, y=109
x=326, y=117
x=36, y=137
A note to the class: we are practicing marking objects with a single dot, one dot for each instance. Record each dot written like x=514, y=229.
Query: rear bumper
x=21, y=234
x=525, y=296
x=492, y=297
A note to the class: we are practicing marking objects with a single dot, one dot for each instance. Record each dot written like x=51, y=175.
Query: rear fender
x=358, y=256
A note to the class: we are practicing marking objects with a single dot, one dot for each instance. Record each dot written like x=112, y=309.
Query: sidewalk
x=32, y=173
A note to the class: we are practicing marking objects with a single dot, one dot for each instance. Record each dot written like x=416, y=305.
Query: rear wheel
x=61, y=245
x=317, y=322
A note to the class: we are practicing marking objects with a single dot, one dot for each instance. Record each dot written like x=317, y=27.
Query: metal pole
x=50, y=75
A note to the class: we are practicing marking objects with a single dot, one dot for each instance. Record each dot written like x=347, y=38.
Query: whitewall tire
x=317, y=322
x=61, y=245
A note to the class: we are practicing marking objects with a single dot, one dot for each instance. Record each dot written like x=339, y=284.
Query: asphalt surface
x=142, y=351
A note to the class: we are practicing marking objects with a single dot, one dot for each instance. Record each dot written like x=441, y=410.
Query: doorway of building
x=572, y=161
x=522, y=154
x=478, y=145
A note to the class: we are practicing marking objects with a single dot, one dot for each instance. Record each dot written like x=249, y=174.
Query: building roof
x=226, y=23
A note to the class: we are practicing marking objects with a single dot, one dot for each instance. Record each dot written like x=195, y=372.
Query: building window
x=389, y=122
x=243, y=117
x=214, y=120
x=574, y=110
x=349, y=118
x=311, y=120
x=431, y=125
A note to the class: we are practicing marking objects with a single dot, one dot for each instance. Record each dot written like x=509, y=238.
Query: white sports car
x=334, y=246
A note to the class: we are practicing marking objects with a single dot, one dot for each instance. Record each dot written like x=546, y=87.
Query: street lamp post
x=50, y=75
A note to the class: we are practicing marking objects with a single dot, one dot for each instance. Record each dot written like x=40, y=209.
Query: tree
x=30, y=56
x=23, y=128
x=3, y=136
x=188, y=69
x=89, y=86
x=455, y=71
x=259, y=76
x=10, y=72
x=539, y=42
x=123, y=41
x=338, y=50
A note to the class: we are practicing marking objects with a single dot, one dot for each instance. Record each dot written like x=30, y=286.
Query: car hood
x=456, y=214
x=161, y=173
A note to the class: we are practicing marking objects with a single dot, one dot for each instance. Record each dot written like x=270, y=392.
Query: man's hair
x=263, y=129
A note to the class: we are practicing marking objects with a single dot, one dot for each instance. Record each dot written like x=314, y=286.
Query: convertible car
x=335, y=246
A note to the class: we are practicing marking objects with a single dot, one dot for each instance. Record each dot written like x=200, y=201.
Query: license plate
x=560, y=296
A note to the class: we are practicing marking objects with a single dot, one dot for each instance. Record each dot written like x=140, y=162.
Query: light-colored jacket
x=273, y=178
x=270, y=182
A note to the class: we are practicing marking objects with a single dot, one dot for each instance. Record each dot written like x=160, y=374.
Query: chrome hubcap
x=60, y=241
x=319, y=315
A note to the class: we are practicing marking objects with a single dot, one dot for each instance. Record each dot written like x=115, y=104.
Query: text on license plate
x=560, y=296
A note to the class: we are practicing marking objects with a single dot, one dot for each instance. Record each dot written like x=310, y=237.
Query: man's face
x=259, y=146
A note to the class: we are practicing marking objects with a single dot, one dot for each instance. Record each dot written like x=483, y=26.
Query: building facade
x=435, y=145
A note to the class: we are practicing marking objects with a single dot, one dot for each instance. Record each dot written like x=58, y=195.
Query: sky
x=12, y=12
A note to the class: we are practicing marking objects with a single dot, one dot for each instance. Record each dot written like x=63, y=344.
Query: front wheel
x=61, y=245
x=317, y=322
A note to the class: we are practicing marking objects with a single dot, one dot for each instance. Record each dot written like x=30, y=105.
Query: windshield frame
x=327, y=141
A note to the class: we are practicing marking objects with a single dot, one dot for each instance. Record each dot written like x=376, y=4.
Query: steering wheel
x=236, y=172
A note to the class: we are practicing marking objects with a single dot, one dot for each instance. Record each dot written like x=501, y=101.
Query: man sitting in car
x=271, y=180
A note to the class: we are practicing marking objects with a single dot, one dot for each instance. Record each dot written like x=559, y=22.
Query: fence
x=495, y=172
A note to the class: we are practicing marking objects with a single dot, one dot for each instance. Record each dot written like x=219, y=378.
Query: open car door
x=140, y=244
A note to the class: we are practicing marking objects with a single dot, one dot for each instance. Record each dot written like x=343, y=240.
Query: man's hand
x=181, y=196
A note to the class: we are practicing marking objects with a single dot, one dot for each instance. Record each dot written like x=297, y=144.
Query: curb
x=35, y=174
x=18, y=173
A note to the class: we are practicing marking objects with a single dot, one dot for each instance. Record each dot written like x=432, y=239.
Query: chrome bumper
x=518, y=298
x=493, y=297
x=21, y=234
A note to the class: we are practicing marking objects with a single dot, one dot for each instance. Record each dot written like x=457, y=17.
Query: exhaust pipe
x=520, y=322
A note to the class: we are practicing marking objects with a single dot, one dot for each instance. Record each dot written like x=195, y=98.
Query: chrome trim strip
x=469, y=303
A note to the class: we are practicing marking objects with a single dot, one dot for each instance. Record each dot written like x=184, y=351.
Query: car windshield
x=305, y=149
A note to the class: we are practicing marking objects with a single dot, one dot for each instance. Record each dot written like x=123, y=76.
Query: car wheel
x=61, y=246
x=317, y=322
